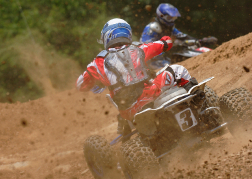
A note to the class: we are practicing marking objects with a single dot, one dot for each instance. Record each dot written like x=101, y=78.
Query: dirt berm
x=43, y=139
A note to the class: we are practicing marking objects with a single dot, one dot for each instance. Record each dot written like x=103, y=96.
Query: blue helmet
x=116, y=31
x=167, y=14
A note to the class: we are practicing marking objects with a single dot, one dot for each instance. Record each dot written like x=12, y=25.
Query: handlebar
x=197, y=42
x=186, y=43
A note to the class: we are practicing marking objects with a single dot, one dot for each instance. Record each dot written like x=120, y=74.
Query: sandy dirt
x=43, y=139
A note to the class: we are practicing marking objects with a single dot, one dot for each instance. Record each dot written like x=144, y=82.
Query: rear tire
x=138, y=161
x=236, y=106
x=100, y=158
x=211, y=97
x=214, y=118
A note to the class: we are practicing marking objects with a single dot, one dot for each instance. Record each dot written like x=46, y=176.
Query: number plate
x=186, y=119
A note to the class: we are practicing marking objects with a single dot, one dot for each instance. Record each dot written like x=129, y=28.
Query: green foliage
x=71, y=27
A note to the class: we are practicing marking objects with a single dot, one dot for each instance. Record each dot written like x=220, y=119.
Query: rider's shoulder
x=155, y=27
x=103, y=54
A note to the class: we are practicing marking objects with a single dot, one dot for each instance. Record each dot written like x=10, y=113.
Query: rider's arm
x=85, y=82
x=180, y=35
x=94, y=78
x=155, y=48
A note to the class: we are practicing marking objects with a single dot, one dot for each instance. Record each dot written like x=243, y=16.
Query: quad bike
x=182, y=50
x=178, y=117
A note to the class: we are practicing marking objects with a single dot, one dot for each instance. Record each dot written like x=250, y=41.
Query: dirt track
x=43, y=139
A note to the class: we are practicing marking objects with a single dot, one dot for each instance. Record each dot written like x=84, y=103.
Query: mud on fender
x=145, y=122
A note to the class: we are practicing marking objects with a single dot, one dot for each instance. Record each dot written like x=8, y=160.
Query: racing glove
x=167, y=42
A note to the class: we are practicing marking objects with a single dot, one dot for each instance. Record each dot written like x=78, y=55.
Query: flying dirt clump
x=246, y=69
x=24, y=122
x=226, y=166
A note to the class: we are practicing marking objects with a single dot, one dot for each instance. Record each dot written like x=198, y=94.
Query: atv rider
x=164, y=25
x=122, y=68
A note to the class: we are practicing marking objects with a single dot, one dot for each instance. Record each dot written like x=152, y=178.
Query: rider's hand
x=209, y=40
x=168, y=40
x=191, y=42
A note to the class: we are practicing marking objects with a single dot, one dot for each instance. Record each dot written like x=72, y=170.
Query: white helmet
x=116, y=32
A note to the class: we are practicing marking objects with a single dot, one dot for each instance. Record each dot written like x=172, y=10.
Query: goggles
x=168, y=18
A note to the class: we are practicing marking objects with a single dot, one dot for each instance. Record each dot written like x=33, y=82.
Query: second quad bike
x=178, y=117
x=182, y=50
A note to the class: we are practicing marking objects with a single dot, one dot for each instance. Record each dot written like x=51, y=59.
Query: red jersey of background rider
x=98, y=72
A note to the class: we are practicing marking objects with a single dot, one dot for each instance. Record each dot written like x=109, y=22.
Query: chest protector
x=129, y=68
x=166, y=30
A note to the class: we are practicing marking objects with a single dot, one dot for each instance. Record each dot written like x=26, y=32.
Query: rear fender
x=200, y=86
x=145, y=121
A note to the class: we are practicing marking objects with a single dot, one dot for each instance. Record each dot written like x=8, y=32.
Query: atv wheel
x=100, y=158
x=236, y=108
x=213, y=117
x=138, y=161
x=211, y=97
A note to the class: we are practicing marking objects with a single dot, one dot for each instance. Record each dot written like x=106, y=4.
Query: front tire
x=138, y=161
x=236, y=108
x=100, y=158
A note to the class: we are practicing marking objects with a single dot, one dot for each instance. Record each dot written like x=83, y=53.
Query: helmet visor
x=168, y=18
